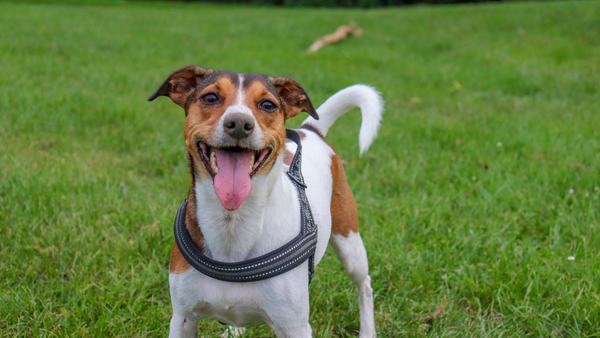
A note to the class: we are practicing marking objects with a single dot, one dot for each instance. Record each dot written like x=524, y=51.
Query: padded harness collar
x=271, y=264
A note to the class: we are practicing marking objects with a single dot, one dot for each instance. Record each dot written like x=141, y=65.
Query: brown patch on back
x=344, y=216
x=178, y=264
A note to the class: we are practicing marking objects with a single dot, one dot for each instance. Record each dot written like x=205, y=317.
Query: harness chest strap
x=271, y=264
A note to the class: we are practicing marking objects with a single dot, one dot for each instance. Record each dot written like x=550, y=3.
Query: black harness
x=271, y=264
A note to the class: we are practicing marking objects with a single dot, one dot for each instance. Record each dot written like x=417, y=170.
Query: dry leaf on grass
x=340, y=34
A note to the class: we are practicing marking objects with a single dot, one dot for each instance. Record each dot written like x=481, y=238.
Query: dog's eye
x=267, y=106
x=210, y=98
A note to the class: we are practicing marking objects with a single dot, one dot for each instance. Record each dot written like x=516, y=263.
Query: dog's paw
x=232, y=332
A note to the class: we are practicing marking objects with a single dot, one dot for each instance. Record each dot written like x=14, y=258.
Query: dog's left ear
x=294, y=97
x=179, y=85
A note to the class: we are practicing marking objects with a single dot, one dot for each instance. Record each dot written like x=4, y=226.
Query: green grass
x=91, y=174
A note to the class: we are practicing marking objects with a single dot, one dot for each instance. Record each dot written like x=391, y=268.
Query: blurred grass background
x=483, y=180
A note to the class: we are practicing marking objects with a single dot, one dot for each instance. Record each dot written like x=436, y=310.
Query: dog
x=241, y=204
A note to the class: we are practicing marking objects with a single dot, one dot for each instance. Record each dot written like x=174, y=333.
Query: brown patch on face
x=272, y=124
x=202, y=120
x=344, y=216
x=178, y=264
x=188, y=85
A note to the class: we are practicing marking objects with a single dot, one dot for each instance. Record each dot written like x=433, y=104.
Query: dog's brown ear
x=179, y=85
x=294, y=97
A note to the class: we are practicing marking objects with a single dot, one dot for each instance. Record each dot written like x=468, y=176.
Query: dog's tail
x=366, y=98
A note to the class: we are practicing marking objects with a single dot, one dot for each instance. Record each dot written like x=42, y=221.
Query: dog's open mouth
x=232, y=169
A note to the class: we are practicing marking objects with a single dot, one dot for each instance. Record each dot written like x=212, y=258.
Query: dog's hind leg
x=353, y=256
x=349, y=247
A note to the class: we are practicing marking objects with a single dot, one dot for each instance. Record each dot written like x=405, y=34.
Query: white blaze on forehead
x=239, y=106
x=241, y=96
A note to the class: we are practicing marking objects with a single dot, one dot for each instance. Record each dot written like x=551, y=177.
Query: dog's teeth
x=213, y=162
x=251, y=164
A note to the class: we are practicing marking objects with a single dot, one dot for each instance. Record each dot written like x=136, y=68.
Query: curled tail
x=366, y=98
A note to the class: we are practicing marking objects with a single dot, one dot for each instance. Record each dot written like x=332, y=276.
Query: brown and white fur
x=267, y=217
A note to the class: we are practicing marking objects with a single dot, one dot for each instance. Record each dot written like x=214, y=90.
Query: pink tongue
x=232, y=182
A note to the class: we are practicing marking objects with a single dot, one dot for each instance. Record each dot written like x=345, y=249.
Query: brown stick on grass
x=340, y=34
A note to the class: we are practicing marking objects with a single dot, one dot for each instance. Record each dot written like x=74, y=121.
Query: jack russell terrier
x=246, y=239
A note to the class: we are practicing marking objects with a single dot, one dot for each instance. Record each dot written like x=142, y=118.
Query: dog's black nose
x=238, y=125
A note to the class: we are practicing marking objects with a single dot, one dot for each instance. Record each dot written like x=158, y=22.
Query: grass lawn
x=483, y=180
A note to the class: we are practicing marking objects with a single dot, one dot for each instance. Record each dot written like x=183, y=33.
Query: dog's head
x=234, y=124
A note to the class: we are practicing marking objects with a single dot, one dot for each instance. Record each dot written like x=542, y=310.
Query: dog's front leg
x=184, y=323
x=288, y=317
x=183, y=326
